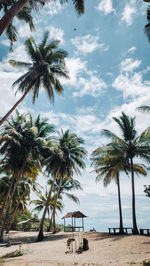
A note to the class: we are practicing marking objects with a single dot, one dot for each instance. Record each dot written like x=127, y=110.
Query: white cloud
x=6, y=42
x=56, y=33
x=92, y=86
x=132, y=49
x=129, y=65
x=24, y=31
x=135, y=89
x=131, y=82
x=87, y=44
x=84, y=81
x=106, y=6
x=55, y=7
x=129, y=12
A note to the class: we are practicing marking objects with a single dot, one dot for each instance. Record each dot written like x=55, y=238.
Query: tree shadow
x=29, y=238
x=101, y=236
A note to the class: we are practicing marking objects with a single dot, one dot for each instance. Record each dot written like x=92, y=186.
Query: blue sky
x=109, y=73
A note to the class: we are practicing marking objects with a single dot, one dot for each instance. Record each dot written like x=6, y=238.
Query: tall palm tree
x=133, y=146
x=23, y=192
x=108, y=162
x=48, y=65
x=67, y=185
x=66, y=159
x=12, y=8
x=24, y=144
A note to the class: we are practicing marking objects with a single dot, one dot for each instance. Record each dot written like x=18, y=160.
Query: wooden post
x=75, y=223
x=72, y=224
x=64, y=225
x=82, y=224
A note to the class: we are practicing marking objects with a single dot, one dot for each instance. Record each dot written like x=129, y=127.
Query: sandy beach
x=103, y=250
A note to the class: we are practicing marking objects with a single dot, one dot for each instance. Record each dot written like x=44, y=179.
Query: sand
x=104, y=249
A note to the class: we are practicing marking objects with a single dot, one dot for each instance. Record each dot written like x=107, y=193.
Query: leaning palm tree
x=12, y=8
x=133, y=146
x=46, y=67
x=66, y=158
x=24, y=15
x=23, y=192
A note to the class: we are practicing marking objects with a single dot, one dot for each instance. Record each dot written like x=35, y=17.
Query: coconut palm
x=23, y=192
x=46, y=67
x=147, y=26
x=24, y=144
x=108, y=162
x=12, y=8
x=144, y=108
x=41, y=203
x=67, y=185
x=133, y=146
x=66, y=158
x=24, y=14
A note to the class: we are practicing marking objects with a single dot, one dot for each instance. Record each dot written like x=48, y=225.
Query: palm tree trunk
x=10, y=14
x=54, y=209
x=120, y=209
x=135, y=229
x=14, y=214
x=6, y=198
x=50, y=222
x=54, y=223
x=3, y=225
x=10, y=199
x=40, y=235
x=13, y=108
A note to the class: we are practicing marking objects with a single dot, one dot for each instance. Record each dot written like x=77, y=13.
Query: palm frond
x=144, y=108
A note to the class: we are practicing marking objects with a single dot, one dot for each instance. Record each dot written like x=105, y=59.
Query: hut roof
x=76, y=214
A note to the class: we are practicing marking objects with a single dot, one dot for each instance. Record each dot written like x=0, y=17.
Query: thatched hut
x=74, y=216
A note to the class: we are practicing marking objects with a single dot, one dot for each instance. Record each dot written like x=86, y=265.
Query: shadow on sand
x=32, y=238
x=101, y=236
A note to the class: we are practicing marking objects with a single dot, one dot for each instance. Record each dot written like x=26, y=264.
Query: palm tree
x=48, y=65
x=22, y=193
x=133, y=146
x=66, y=159
x=12, y=9
x=67, y=185
x=11, y=31
x=144, y=108
x=41, y=203
x=24, y=145
x=147, y=26
x=108, y=162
